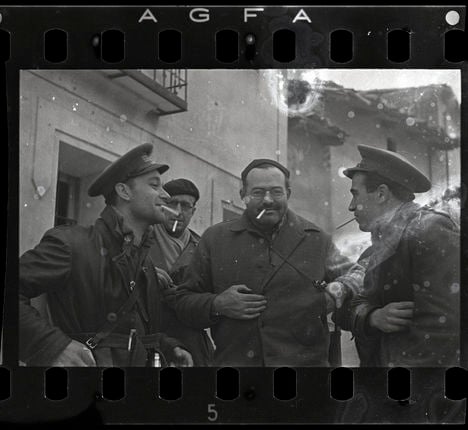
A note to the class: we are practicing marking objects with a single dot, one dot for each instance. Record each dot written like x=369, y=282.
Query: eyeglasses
x=184, y=206
x=260, y=194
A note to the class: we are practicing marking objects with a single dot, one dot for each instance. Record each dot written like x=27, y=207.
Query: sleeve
x=43, y=269
x=339, y=268
x=194, y=296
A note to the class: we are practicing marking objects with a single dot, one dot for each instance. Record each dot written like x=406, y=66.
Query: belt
x=118, y=340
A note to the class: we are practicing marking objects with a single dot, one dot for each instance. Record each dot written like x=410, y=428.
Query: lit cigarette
x=172, y=211
x=174, y=226
x=261, y=214
x=347, y=222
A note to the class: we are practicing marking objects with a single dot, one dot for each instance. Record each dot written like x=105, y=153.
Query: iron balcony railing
x=174, y=80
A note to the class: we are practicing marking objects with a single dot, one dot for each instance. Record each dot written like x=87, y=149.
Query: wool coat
x=86, y=273
x=414, y=257
x=196, y=340
x=293, y=329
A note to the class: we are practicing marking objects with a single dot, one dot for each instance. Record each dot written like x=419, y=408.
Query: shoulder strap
x=284, y=260
x=109, y=326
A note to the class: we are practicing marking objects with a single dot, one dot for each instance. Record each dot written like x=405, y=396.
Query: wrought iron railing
x=174, y=80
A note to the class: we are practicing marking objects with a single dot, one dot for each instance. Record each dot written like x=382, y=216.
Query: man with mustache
x=102, y=287
x=408, y=311
x=256, y=281
x=174, y=246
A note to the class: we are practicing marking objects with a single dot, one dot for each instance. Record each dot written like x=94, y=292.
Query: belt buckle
x=91, y=343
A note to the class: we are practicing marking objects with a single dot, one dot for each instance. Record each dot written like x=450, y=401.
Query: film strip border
x=85, y=37
x=228, y=37
x=228, y=395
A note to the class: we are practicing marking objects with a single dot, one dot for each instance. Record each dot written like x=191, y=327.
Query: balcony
x=165, y=89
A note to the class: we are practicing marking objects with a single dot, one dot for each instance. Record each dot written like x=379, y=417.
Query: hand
x=182, y=358
x=75, y=354
x=335, y=295
x=237, y=302
x=164, y=278
x=394, y=317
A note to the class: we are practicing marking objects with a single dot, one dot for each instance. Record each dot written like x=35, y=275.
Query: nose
x=268, y=197
x=163, y=195
x=352, y=206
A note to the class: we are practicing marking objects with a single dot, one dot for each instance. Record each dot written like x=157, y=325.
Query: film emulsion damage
x=265, y=203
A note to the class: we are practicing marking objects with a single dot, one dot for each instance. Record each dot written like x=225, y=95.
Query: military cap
x=134, y=163
x=181, y=186
x=392, y=166
x=262, y=161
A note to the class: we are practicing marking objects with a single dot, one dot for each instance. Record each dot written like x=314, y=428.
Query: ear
x=383, y=193
x=123, y=191
x=288, y=193
x=242, y=193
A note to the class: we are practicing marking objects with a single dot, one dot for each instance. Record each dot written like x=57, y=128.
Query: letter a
x=301, y=16
x=147, y=16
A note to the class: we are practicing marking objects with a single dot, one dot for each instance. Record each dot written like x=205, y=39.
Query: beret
x=262, y=161
x=181, y=186
x=135, y=162
x=392, y=166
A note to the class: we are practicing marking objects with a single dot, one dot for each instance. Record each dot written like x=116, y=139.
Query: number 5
x=213, y=411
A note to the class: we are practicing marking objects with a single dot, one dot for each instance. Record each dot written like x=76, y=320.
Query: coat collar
x=116, y=224
x=386, y=238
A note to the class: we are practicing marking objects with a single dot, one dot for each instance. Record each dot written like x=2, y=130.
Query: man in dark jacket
x=174, y=246
x=408, y=311
x=256, y=281
x=102, y=287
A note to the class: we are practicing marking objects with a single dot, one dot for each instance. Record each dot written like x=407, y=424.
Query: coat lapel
x=293, y=231
x=385, y=242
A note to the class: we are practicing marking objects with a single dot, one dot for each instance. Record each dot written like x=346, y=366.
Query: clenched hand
x=75, y=354
x=182, y=358
x=237, y=302
x=396, y=316
x=335, y=294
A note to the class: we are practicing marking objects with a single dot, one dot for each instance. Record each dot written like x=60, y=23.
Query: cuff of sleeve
x=214, y=315
x=367, y=328
x=361, y=321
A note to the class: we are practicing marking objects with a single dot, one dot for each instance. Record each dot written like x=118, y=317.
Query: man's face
x=266, y=190
x=146, y=197
x=185, y=205
x=364, y=204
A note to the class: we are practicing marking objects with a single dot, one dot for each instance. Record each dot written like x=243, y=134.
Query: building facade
x=207, y=125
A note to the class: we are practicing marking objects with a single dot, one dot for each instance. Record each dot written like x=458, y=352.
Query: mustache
x=269, y=206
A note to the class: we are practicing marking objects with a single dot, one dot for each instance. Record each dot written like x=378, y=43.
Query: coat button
x=250, y=354
x=111, y=317
x=103, y=252
x=261, y=240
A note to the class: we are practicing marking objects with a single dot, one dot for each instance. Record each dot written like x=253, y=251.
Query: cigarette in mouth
x=261, y=214
x=172, y=211
x=345, y=223
x=174, y=226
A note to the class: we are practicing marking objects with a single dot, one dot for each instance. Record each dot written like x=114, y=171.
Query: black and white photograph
x=239, y=218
